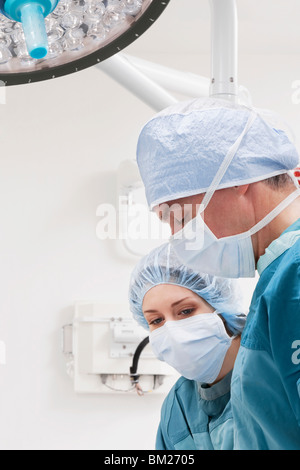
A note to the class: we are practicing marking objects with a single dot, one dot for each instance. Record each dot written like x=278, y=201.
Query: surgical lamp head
x=45, y=39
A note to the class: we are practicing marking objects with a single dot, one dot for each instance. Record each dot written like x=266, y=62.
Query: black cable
x=133, y=369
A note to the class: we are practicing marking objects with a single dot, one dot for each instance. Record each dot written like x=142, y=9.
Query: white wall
x=59, y=156
x=61, y=144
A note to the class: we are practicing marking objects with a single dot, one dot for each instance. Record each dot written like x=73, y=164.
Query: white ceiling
x=265, y=27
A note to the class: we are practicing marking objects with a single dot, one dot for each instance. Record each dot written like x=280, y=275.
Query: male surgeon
x=220, y=174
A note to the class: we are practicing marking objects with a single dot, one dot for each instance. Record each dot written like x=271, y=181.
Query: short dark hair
x=279, y=181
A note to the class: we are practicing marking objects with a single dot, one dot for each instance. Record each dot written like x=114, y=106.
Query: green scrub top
x=265, y=391
x=196, y=417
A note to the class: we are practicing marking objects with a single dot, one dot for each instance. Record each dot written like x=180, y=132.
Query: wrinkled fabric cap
x=161, y=266
x=180, y=149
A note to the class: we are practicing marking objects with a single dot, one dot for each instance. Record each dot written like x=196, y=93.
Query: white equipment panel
x=100, y=344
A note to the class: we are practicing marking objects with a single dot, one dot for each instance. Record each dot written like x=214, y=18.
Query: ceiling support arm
x=224, y=49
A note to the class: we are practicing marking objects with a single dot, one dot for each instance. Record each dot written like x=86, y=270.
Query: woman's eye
x=157, y=321
x=187, y=311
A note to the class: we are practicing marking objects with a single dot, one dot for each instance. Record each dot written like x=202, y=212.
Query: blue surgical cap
x=180, y=149
x=161, y=266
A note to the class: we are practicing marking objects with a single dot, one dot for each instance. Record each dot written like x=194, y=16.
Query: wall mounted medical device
x=107, y=352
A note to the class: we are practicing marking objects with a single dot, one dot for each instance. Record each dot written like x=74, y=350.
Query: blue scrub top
x=265, y=393
x=196, y=417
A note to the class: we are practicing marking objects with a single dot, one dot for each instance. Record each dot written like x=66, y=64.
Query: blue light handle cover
x=34, y=30
x=31, y=14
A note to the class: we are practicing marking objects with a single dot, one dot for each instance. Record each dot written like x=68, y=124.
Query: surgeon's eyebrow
x=172, y=305
x=151, y=311
x=179, y=301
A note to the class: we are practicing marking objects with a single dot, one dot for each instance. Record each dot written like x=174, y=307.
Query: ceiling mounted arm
x=130, y=77
x=224, y=57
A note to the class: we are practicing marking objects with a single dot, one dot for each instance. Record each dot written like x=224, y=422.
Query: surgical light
x=31, y=13
x=43, y=39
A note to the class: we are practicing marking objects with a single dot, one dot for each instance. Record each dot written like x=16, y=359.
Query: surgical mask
x=196, y=346
x=232, y=256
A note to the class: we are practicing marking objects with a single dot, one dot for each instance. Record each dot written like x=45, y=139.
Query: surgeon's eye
x=187, y=311
x=156, y=322
x=180, y=222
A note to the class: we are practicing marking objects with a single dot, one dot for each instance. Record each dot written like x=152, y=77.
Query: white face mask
x=196, y=346
x=233, y=257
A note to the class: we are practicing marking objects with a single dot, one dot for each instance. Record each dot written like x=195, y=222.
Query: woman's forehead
x=167, y=293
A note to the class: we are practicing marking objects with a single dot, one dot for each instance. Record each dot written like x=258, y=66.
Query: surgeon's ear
x=241, y=190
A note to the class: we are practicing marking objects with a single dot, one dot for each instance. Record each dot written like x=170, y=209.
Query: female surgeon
x=195, y=322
